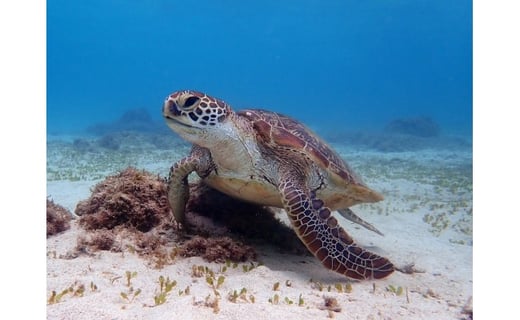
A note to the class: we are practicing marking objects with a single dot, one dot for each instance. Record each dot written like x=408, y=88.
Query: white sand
x=441, y=292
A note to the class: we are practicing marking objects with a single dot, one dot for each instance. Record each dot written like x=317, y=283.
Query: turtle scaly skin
x=324, y=237
x=270, y=159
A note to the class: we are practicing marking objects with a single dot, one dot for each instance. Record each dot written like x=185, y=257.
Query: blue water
x=346, y=64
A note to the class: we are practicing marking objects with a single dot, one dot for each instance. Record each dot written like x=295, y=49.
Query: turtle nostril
x=172, y=107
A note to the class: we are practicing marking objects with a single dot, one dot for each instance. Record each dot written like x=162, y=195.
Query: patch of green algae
x=64, y=162
x=439, y=186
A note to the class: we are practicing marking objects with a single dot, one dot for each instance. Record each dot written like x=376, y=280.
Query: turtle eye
x=190, y=102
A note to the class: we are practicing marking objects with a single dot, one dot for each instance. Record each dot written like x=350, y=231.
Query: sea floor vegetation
x=236, y=255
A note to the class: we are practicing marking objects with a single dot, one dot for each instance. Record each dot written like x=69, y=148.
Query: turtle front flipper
x=324, y=237
x=199, y=161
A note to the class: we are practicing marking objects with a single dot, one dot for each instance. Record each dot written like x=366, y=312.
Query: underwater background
x=336, y=65
x=387, y=84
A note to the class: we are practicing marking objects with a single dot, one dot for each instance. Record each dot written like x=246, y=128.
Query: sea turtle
x=270, y=159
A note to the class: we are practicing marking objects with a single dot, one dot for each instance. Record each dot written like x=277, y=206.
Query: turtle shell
x=277, y=130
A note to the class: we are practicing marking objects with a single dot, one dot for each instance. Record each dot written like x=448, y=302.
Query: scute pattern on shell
x=277, y=129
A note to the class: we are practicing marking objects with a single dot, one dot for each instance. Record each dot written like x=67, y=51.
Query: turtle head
x=190, y=113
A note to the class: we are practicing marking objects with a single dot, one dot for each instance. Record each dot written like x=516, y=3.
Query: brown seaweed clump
x=98, y=240
x=130, y=211
x=218, y=249
x=126, y=210
x=58, y=218
x=132, y=198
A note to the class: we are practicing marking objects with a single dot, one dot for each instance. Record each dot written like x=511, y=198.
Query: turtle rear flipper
x=350, y=215
x=325, y=238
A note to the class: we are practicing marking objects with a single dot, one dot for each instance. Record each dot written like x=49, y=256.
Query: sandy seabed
x=426, y=218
